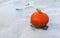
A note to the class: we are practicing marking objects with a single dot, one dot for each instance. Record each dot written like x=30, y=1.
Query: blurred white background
x=16, y=23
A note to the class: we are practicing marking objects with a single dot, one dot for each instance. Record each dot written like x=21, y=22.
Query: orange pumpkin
x=39, y=19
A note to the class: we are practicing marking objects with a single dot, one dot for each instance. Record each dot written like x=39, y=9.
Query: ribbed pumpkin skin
x=39, y=19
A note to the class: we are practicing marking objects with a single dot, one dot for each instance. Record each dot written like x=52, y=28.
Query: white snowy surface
x=16, y=23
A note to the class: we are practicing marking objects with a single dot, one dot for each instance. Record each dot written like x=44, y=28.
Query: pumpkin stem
x=38, y=10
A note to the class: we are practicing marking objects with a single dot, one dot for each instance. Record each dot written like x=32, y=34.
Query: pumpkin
x=39, y=19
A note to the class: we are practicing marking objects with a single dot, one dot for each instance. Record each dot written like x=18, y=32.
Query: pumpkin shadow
x=43, y=28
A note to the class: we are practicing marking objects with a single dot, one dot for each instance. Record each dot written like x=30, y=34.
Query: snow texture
x=15, y=18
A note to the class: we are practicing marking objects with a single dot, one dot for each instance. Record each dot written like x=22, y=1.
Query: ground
x=16, y=23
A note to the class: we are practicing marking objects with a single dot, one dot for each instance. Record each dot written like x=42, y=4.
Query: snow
x=16, y=23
